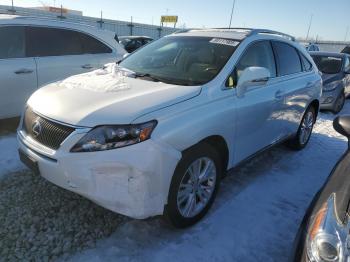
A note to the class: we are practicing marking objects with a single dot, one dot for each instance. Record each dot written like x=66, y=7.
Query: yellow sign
x=169, y=19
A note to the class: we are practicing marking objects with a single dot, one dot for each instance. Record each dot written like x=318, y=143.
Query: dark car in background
x=346, y=50
x=312, y=47
x=132, y=43
x=335, y=69
x=324, y=233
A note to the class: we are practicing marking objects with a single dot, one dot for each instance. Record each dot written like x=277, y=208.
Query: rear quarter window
x=307, y=66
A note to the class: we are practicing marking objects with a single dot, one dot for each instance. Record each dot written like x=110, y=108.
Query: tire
x=339, y=103
x=299, y=141
x=201, y=156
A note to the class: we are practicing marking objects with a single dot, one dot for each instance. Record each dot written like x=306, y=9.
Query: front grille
x=44, y=131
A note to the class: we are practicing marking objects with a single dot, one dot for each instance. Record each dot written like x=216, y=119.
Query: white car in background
x=37, y=51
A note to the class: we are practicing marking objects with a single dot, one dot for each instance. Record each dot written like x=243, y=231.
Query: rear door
x=296, y=85
x=60, y=53
x=17, y=72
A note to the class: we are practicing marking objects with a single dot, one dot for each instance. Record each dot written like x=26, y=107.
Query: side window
x=307, y=66
x=12, y=44
x=259, y=54
x=43, y=41
x=93, y=46
x=288, y=60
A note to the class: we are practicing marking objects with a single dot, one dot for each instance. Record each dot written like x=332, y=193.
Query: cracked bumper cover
x=133, y=181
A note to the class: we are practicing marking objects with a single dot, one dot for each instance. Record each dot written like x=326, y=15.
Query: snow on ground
x=254, y=218
x=9, y=160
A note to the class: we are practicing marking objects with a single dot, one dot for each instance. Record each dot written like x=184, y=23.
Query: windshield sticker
x=222, y=41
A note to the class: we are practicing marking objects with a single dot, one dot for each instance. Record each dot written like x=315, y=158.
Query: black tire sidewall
x=295, y=143
x=189, y=156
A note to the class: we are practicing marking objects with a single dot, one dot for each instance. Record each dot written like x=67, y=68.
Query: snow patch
x=111, y=78
x=254, y=218
x=9, y=160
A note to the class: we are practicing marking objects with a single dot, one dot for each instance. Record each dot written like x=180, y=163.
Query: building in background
x=121, y=28
x=59, y=11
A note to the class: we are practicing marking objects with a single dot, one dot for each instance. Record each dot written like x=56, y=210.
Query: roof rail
x=254, y=31
x=271, y=32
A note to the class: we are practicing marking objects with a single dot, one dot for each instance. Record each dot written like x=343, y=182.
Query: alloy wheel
x=196, y=187
x=306, y=127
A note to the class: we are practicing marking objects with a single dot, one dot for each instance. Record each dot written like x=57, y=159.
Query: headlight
x=111, y=137
x=330, y=86
x=324, y=240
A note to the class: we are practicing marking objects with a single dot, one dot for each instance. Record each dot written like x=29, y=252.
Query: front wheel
x=305, y=130
x=194, y=186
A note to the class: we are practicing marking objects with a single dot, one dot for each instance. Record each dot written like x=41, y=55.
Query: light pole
x=346, y=34
x=308, y=30
x=233, y=8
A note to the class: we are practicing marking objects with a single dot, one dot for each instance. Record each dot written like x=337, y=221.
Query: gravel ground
x=42, y=222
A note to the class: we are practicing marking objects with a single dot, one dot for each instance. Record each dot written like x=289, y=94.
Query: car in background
x=346, y=50
x=335, y=69
x=312, y=47
x=324, y=234
x=37, y=51
x=132, y=43
x=154, y=134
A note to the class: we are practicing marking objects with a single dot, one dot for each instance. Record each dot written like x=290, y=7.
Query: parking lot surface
x=255, y=217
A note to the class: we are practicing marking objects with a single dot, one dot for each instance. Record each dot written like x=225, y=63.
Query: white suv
x=154, y=134
x=35, y=51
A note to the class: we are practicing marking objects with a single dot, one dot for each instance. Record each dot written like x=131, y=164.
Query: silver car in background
x=38, y=51
x=335, y=69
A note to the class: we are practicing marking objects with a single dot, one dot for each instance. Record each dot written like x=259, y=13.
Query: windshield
x=182, y=60
x=328, y=64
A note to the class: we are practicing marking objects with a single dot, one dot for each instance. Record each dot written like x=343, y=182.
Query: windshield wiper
x=146, y=75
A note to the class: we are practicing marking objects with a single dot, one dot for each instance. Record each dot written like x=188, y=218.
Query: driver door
x=258, y=109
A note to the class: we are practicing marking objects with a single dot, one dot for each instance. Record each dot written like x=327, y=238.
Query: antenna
x=233, y=8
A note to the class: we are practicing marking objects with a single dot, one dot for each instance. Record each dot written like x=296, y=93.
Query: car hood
x=329, y=78
x=106, y=96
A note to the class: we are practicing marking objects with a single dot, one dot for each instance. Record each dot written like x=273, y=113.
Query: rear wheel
x=194, y=186
x=305, y=130
x=339, y=103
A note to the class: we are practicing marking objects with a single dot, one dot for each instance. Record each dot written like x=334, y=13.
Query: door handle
x=279, y=94
x=24, y=71
x=87, y=66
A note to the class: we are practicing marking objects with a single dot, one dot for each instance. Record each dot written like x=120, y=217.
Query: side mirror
x=252, y=76
x=342, y=125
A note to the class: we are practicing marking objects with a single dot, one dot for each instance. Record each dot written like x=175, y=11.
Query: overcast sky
x=330, y=18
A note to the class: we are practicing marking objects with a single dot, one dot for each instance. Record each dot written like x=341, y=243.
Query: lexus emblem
x=36, y=128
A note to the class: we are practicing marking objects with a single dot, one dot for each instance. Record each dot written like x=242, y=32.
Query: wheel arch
x=219, y=143
x=316, y=105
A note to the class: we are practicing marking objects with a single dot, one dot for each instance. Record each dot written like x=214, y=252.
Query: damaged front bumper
x=133, y=181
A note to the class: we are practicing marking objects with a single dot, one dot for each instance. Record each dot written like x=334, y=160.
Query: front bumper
x=133, y=181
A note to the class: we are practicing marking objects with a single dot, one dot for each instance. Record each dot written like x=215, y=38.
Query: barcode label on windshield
x=222, y=41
